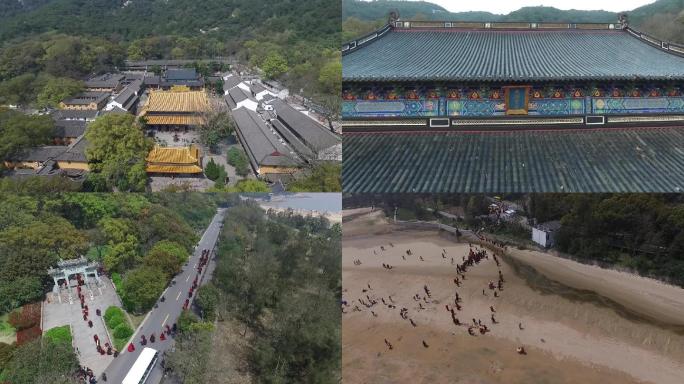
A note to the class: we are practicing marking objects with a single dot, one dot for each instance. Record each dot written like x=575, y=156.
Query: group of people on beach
x=476, y=255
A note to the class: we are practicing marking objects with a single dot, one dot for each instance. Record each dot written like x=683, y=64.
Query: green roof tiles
x=606, y=160
x=510, y=56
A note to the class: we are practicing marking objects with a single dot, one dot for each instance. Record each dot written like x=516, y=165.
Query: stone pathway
x=65, y=309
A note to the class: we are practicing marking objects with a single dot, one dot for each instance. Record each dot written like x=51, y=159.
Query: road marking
x=166, y=318
x=186, y=280
x=179, y=292
x=195, y=265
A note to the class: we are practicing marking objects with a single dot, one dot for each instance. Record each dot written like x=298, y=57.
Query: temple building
x=445, y=106
x=174, y=160
x=88, y=101
x=269, y=157
x=175, y=110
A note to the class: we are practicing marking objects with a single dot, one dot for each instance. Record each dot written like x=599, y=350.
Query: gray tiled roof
x=75, y=151
x=260, y=143
x=69, y=128
x=235, y=96
x=39, y=154
x=509, y=55
x=313, y=134
x=67, y=114
x=107, y=80
x=603, y=160
x=87, y=98
x=231, y=82
x=181, y=74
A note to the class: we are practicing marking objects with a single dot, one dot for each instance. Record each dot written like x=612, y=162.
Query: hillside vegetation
x=75, y=38
x=663, y=18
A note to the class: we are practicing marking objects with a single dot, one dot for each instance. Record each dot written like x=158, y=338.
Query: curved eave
x=360, y=79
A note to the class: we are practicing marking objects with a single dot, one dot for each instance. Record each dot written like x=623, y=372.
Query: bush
x=59, y=334
x=116, y=280
x=122, y=331
x=5, y=354
x=114, y=316
x=237, y=158
x=211, y=170
x=26, y=317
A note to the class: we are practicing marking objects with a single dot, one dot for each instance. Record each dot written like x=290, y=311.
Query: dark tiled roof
x=509, y=55
x=75, y=152
x=39, y=154
x=127, y=98
x=152, y=80
x=87, y=98
x=181, y=74
x=261, y=145
x=108, y=80
x=235, y=96
x=66, y=114
x=313, y=134
x=605, y=160
x=69, y=128
x=294, y=142
x=256, y=87
x=231, y=82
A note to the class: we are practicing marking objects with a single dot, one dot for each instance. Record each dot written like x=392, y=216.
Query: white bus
x=142, y=367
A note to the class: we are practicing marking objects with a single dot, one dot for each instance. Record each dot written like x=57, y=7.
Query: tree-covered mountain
x=77, y=38
x=662, y=18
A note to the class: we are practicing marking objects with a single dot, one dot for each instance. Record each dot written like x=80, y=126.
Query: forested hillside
x=272, y=309
x=663, y=18
x=44, y=40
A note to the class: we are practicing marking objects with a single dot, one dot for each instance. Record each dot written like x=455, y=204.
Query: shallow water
x=545, y=286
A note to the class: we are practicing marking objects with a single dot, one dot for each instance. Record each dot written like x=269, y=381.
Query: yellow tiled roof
x=155, y=168
x=169, y=101
x=174, y=155
x=174, y=120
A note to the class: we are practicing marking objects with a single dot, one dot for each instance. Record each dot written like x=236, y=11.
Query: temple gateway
x=458, y=75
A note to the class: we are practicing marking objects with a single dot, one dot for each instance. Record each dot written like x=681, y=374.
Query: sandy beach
x=572, y=332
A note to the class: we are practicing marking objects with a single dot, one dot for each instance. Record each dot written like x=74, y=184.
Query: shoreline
x=565, y=336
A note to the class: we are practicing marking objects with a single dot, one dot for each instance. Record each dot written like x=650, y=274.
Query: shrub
x=122, y=331
x=237, y=158
x=26, y=317
x=59, y=334
x=211, y=170
x=114, y=316
x=116, y=280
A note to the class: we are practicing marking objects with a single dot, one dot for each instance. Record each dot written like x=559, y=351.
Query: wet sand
x=569, y=337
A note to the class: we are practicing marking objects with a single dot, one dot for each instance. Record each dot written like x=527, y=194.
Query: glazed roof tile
x=602, y=160
x=509, y=55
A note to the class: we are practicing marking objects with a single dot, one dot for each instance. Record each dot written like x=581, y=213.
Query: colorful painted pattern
x=631, y=105
x=392, y=108
x=490, y=107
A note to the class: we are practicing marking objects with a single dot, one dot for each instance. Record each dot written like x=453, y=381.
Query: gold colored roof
x=174, y=155
x=155, y=168
x=174, y=120
x=169, y=101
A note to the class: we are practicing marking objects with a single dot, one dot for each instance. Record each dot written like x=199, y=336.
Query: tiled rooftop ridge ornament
x=622, y=19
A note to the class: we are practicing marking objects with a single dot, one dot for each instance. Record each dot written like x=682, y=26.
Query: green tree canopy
x=57, y=89
x=19, y=132
x=141, y=288
x=167, y=256
x=274, y=66
x=117, y=149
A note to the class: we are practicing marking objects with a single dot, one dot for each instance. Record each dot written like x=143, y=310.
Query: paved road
x=168, y=311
